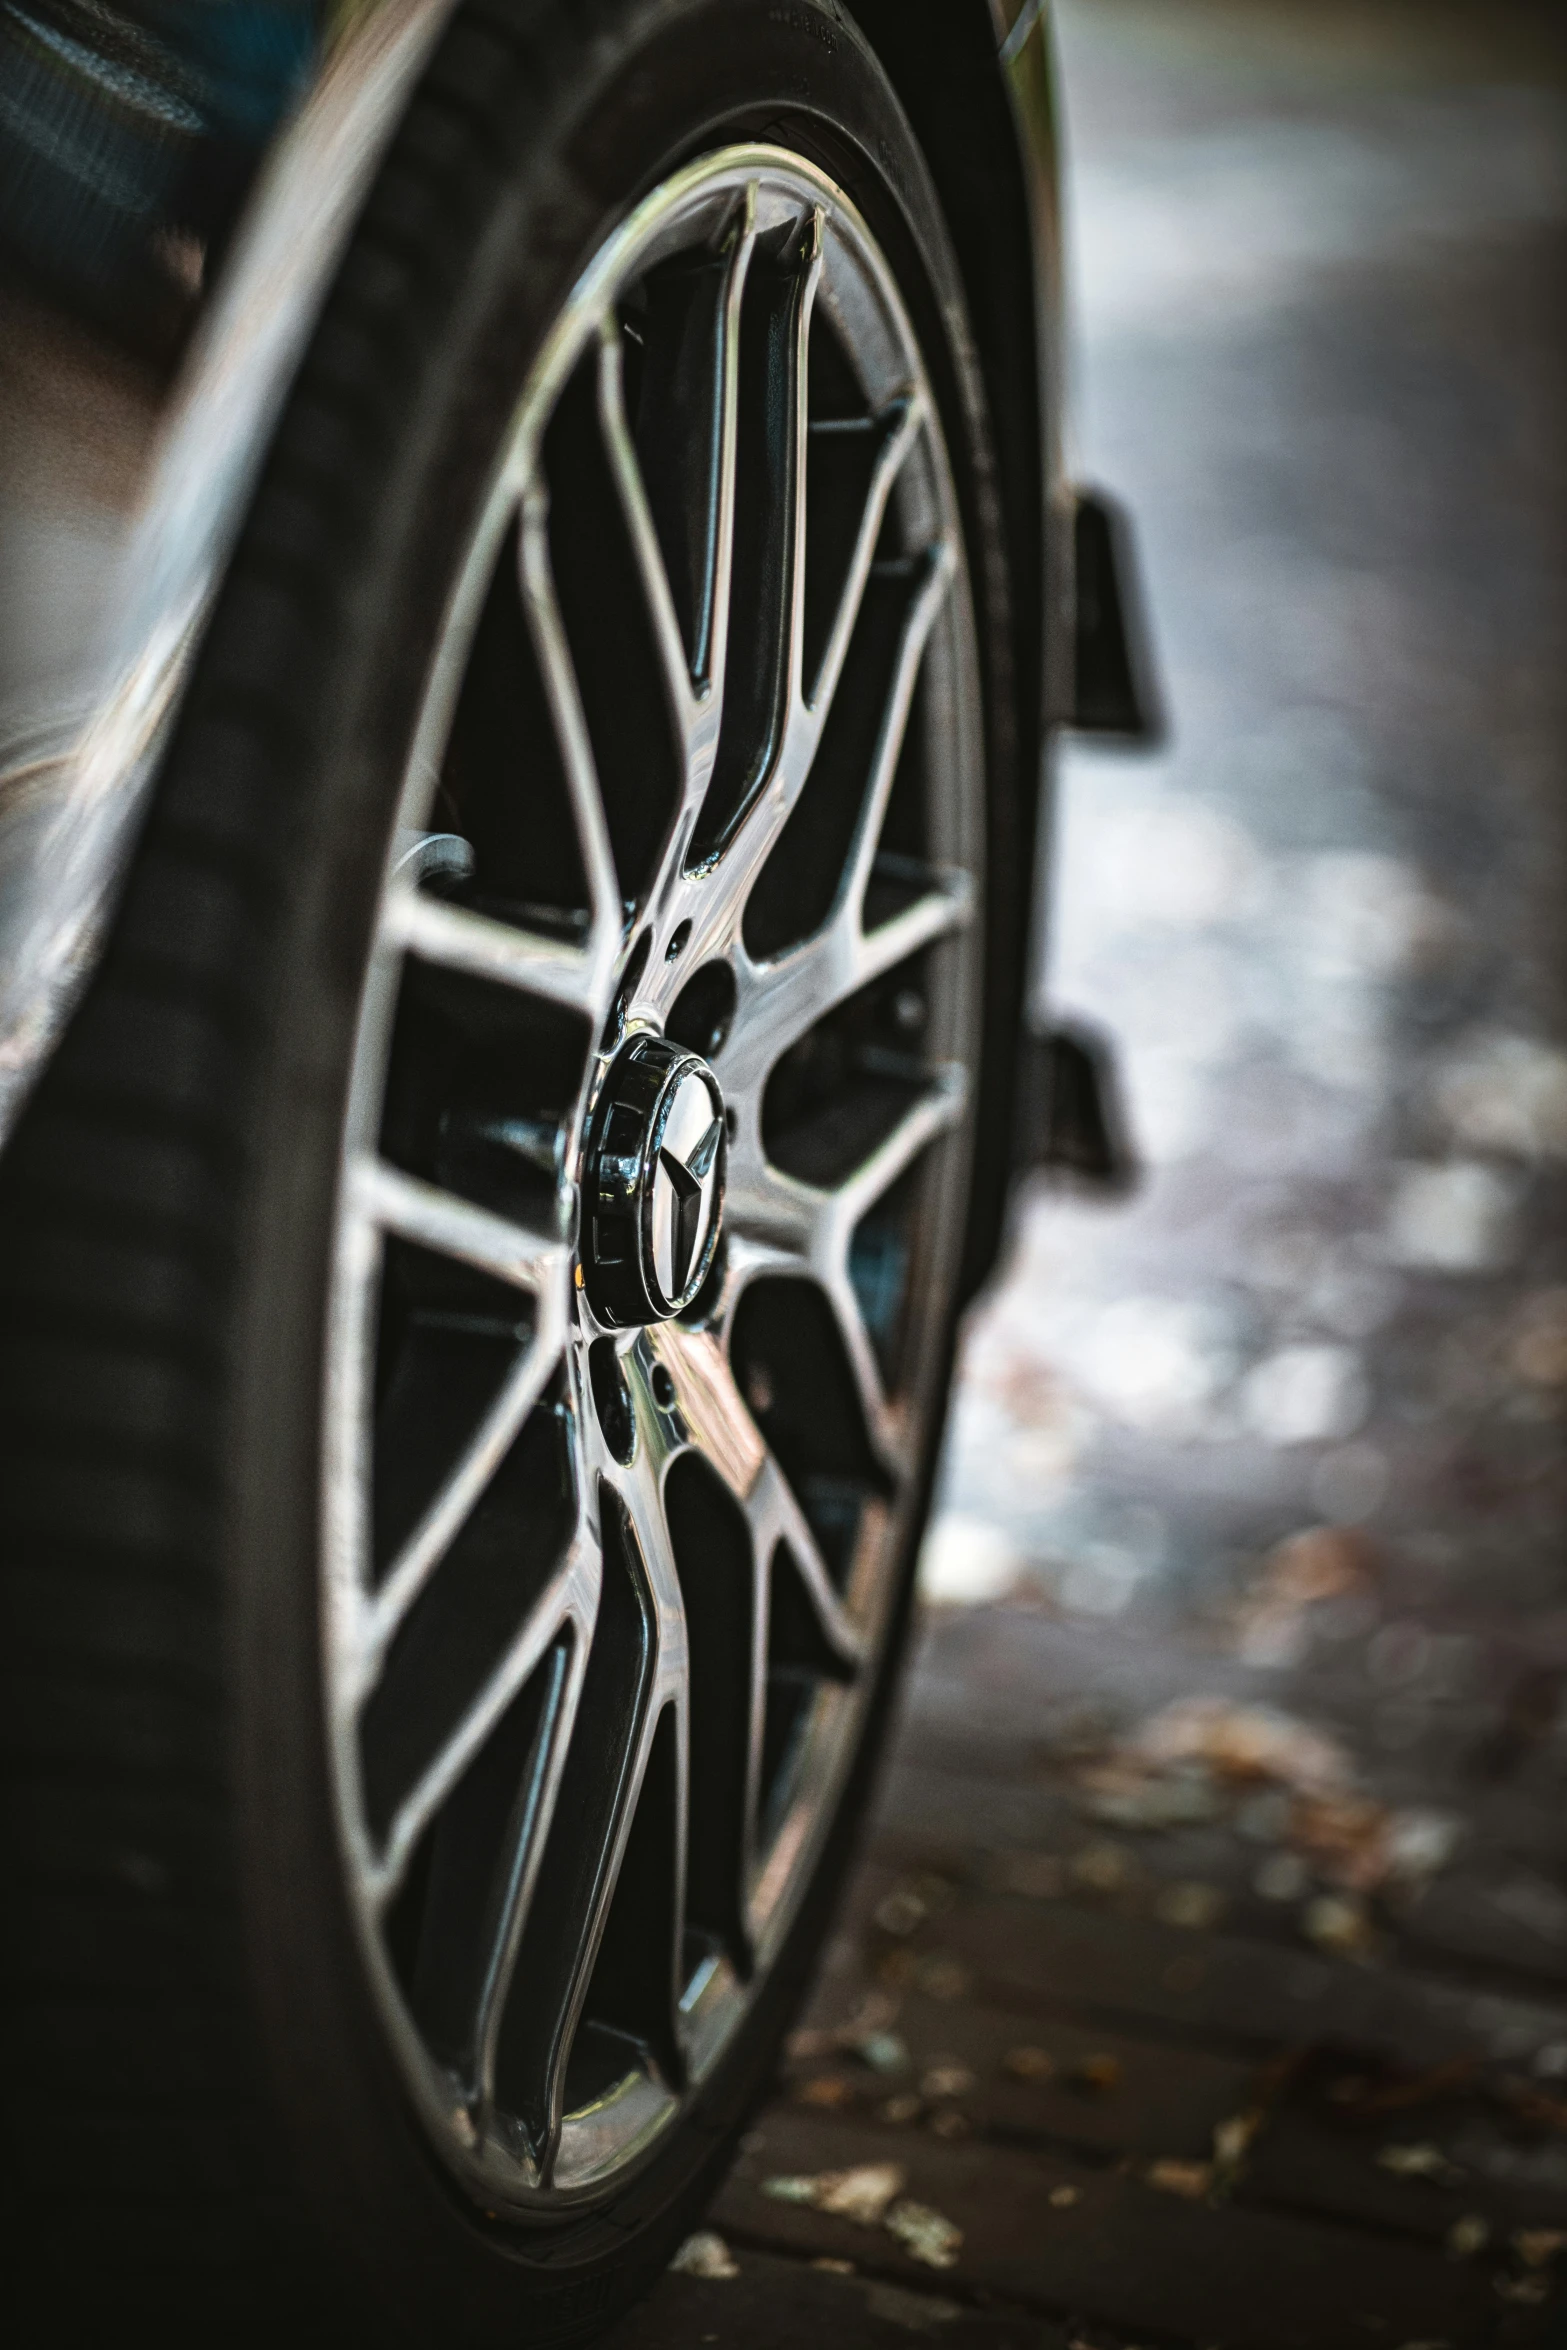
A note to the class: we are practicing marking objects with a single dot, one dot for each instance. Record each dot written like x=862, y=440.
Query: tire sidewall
x=640, y=90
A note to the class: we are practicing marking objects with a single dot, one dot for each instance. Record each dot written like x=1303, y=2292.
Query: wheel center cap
x=655, y=1184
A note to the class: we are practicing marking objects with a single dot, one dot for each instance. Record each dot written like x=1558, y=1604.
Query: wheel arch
x=976, y=79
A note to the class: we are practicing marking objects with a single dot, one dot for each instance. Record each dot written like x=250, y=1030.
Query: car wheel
x=480, y=1273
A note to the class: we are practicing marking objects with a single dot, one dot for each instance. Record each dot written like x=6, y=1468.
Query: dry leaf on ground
x=705, y=2255
x=826, y=2089
x=1243, y=1742
x=1530, y=2290
x=1232, y=2142
x=1421, y=2160
x=1338, y=1924
x=901, y=1911
x=1191, y=2179
x=1098, y=2075
x=1317, y=1564
x=925, y=2234
x=861, y=2195
x=1103, y=1868
x=1190, y=1904
x=884, y=2052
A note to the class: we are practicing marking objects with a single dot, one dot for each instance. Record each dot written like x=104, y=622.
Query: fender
x=279, y=153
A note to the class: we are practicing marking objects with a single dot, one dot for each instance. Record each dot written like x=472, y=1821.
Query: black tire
x=202, y=2115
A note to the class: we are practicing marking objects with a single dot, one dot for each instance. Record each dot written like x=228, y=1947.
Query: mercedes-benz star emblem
x=654, y=1194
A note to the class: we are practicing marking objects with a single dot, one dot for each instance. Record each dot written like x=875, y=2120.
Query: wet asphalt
x=1287, y=1427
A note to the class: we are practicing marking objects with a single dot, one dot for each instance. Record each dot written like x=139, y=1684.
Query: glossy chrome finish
x=76, y=765
x=607, y=1677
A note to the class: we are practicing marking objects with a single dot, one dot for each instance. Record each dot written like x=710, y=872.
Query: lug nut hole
x=610, y=1399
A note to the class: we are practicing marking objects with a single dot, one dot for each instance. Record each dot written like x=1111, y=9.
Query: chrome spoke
x=539, y=1801
x=899, y=426
x=723, y=1431
x=571, y=731
x=779, y=1001
x=711, y=1405
x=569, y=1602
x=939, y=566
x=763, y=750
x=776, y=1516
x=458, y=940
x=796, y=1228
x=424, y=1549
x=421, y=1212
x=633, y=1682
x=935, y=1112
x=727, y=445
x=684, y=707
x=696, y=683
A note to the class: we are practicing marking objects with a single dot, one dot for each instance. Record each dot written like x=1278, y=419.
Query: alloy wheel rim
x=604, y=1590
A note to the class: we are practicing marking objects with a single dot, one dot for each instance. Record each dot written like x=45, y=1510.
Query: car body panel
x=172, y=209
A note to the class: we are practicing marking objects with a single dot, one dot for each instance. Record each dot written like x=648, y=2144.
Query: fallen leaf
x=1029, y=2064
x=1421, y=2160
x=1346, y=1835
x=946, y=2078
x=905, y=2108
x=877, y=2011
x=926, y=2235
x=1063, y=2198
x=941, y=1978
x=705, y=2255
x=1283, y=1876
x=1244, y=1742
x=1096, y=2074
x=861, y=2194
x=1337, y=1923
x=834, y=2268
x=810, y=2041
x=1103, y=1868
x=1190, y=1904
x=1232, y=2141
x=1191, y=2179
x=790, y=2187
x=884, y=2052
x=950, y=2123
x=901, y=1912
x=1538, y=2247
x=1126, y=1795
x=827, y=2089
x=1528, y=2290
x=1468, y=2235
x=1271, y=1623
